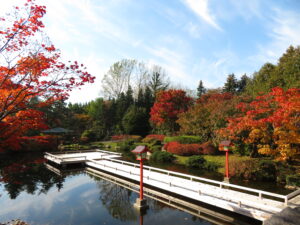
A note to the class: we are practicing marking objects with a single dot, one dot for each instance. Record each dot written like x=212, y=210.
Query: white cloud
x=247, y=9
x=214, y=72
x=173, y=62
x=283, y=30
x=193, y=29
x=200, y=7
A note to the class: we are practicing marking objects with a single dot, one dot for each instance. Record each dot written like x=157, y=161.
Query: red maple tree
x=31, y=73
x=270, y=123
x=168, y=105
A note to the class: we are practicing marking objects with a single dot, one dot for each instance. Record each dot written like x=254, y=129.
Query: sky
x=192, y=40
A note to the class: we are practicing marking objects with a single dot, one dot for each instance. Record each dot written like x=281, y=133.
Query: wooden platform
x=72, y=157
x=253, y=203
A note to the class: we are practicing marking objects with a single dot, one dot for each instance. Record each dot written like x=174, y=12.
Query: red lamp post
x=141, y=153
x=225, y=146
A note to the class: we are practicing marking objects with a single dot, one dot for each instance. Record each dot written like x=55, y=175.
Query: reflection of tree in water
x=28, y=175
x=117, y=200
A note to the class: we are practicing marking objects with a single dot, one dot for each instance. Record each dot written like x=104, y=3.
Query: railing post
x=286, y=201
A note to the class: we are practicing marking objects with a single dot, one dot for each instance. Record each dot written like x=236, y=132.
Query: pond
x=36, y=195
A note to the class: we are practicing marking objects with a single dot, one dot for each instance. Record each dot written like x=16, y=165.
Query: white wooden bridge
x=250, y=202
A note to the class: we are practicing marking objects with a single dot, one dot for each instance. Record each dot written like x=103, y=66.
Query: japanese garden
x=139, y=105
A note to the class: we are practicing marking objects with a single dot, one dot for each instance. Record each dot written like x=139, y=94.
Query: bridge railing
x=191, y=188
x=259, y=193
x=65, y=159
x=83, y=151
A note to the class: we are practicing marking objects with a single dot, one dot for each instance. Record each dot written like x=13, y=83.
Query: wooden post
x=227, y=165
x=141, y=180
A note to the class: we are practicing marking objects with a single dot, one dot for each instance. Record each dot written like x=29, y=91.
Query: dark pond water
x=34, y=194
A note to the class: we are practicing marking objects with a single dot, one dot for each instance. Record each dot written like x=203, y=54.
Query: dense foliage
x=183, y=149
x=32, y=74
x=259, y=113
x=270, y=124
x=167, y=107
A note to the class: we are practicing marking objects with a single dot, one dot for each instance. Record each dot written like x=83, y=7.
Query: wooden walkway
x=246, y=201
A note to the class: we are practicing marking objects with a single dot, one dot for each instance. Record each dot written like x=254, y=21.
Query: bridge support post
x=141, y=203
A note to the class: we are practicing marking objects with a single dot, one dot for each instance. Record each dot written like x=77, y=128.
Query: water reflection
x=117, y=200
x=37, y=195
x=23, y=173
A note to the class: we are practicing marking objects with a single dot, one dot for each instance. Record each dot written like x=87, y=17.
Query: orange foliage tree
x=167, y=106
x=270, y=123
x=31, y=73
x=208, y=115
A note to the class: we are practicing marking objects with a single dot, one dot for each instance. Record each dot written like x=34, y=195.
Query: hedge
x=159, y=156
x=183, y=139
x=183, y=149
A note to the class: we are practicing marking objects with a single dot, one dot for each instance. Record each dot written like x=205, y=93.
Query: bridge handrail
x=73, y=157
x=209, y=193
x=85, y=151
x=63, y=159
x=220, y=183
x=293, y=194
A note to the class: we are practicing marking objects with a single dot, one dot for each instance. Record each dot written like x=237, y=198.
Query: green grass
x=218, y=159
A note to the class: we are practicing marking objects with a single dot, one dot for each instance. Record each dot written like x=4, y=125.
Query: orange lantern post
x=141, y=153
x=226, y=146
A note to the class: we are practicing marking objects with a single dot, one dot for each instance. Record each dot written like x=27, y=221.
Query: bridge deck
x=79, y=157
x=246, y=201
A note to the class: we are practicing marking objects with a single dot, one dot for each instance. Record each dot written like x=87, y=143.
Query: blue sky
x=191, y=39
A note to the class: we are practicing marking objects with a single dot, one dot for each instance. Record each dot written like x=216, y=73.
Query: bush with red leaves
x=208, y=148
x=183, y=149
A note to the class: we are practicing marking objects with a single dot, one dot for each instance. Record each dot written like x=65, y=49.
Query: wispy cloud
x=200, y=8
x=247, y=9
x=174, y=62
x=283, y=31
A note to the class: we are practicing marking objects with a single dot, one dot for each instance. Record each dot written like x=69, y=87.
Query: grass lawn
x=218, y=159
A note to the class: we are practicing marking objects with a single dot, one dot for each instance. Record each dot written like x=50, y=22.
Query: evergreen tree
x=260, y=82
x=242, y=83
x=200, y=90
x=231, y=84
x=158, y=81
x=135, y=121
x=129, y=97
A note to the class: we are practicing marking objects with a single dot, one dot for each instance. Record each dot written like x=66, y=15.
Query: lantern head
x=141, y=152
x=225, y=145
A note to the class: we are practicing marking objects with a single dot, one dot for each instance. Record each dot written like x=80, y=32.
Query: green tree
x=200, y=90
x=231, y=84
x=158, y=81
x=260, y=82
x=135, y=121
x=242, y=83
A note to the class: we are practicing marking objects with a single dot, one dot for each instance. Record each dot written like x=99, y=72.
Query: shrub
x=293, y=180
x=160, y=156
x=183, y=139
x=126, y=137
x=208, y=148
x=183, y=149
x=151, y=141
x=155, y=148
x=196, y=161
x=266, y=170
x=89, y=134
x=158, y=137
x=283, y=170
x=244, y=169
x=126, y=146
x=211, y=166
